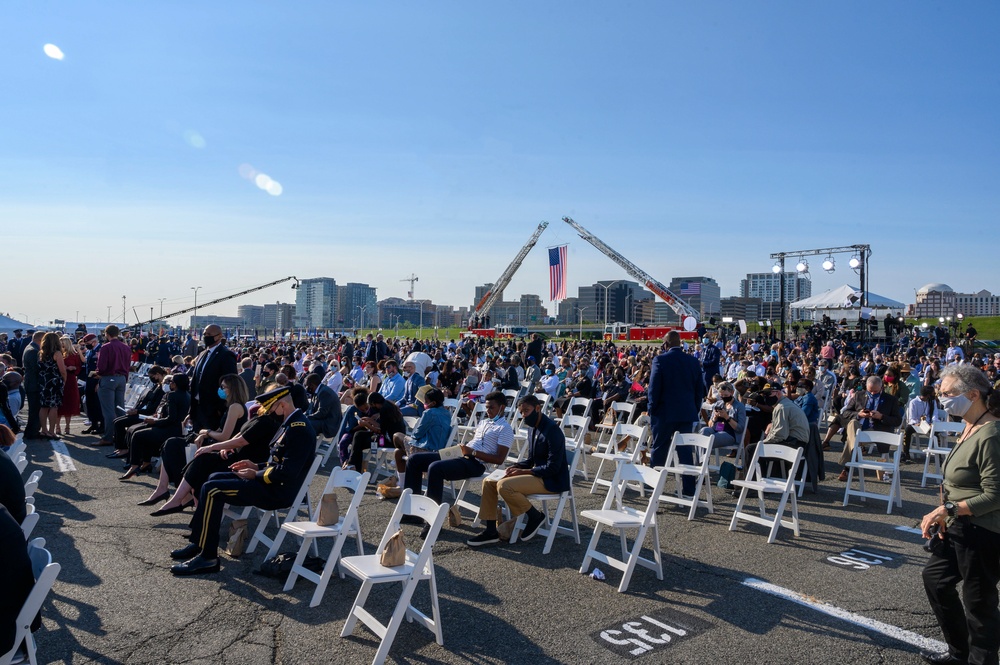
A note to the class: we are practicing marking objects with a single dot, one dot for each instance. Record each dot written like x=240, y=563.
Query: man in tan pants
x=545, y=471
x=876, y=411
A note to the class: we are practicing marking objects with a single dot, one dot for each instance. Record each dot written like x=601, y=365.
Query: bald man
x=211, y=365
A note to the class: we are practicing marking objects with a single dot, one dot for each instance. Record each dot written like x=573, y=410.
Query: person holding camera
x=728, y=419
x=874, y=410
x=964, y=532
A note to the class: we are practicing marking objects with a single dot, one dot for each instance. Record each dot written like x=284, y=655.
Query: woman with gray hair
x=964, y=532
x=728, y=419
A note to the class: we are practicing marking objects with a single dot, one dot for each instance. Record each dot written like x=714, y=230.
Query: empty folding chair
x=614, y=514
x=889, y=464
x=418, y=566
x=32, y=484
x=553, y=524
x=624, y=445
x=21, y=462
x=937, y=449
x=763, y=485
x=30, y=520
x=348, y=525
x=327, y=445
x=16, y=449
x=575, y=429
x=620, y=412
x=45, y=575
x=702, y=452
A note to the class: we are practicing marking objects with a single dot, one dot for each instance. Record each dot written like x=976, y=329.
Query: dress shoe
x=152, y=501
x=196, y=566
x=102, y=442
x=168, y=511
x=185, y=553
x=941, y=658
x=843, y=476
x=117, y=455
x=128, y=474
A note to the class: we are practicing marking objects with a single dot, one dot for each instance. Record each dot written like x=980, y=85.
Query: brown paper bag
x=454, y=517
x=237, y=541
x=329, y=510
x=506, y=529
x=394, y=553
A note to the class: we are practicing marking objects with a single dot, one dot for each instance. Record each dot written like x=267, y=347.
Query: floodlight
x=829, y=264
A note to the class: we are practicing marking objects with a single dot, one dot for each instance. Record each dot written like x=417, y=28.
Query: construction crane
x=411, y=279
x=490, y=297
x=682, y=308
x=217, y=301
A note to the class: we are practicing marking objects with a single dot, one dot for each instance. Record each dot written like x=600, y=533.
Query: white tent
x=845, y=298
x=8, y=325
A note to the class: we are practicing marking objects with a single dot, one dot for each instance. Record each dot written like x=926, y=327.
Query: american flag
x=557, y=272
x=690, y=288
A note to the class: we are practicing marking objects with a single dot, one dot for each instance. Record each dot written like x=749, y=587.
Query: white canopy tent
x=845, y=302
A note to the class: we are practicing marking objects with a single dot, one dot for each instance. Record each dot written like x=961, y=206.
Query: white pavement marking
x=63, y=460
x=910, y=529
x=869, y=624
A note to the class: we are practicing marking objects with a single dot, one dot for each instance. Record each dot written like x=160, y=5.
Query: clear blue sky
x=695, y=138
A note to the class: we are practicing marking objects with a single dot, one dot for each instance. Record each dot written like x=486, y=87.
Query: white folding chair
x=45, y=573
x=738, y=446
x=16, y=449
x=621, y=413
x=859, y=464
x=702, y=453
x=575, y=429
x=469, y=429
x=585, y=402
x=634, y=437
x=614, y=514
x=30, y=520
x=21, y=462
x=553, y=525
x=937, y=449
x=260, y=533
x=348, y=525
x=417, y=567
x=328, y=445
x=763, y=485
x=32, y=484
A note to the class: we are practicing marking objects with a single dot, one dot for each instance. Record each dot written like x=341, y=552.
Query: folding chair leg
x=739, y=507
x=293, y=574
x=259, y=534
x=359, y=603
x=331, y=563
x=592, y=547
x=795, y=515
x=402, y=607
x=276, y=543
x=436, y=611
x=777, y=520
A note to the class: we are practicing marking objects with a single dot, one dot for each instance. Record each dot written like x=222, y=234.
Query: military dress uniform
x=292, y=452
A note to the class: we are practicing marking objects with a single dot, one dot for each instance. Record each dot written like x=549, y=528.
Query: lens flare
x=53, y=52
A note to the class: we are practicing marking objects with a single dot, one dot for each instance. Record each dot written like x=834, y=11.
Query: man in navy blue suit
x=676, y=391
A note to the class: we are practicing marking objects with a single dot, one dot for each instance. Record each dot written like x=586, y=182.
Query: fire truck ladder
x=490, y=297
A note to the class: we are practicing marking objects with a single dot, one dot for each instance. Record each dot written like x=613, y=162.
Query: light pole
x=607, y=290
x=195, y=289
x=161, y=306
x=362, y=316
x=580, y=314
x=124, y=318
x=421, y=333
x=150, y=320
x=109, y=315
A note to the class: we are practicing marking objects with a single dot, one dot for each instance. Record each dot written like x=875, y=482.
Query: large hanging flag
x=690, y=288
x=557, y=272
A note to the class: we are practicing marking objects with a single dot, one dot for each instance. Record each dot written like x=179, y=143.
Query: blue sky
x=695, y=138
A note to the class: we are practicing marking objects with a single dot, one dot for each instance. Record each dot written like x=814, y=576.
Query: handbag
x=329, y=510
x=236, y=543
x=394, y=553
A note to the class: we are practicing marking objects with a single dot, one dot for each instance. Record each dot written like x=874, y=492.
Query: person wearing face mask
x=408, y=403
x=207, y=408
x=324, y=411
x=551, y=382
x=269, y=486
x=728, y=419
x=145, y=442
x=93, y=402
x=489, y=445
x=966, y=528
x=544, y=471
x=873, y=409
x=921, y=411
x=172, y=453
x=146, y=406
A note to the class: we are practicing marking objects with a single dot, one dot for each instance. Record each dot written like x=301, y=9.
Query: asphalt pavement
x=848, y=589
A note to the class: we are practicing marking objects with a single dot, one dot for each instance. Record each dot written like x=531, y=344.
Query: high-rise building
x=251, y=315
x=316, y=303
x=701, y=293
x=613, y=300
x=356, y=306
x=526, y=311
x=767, y=286
x=481, y=292
x=936, y=299
x=280, y=316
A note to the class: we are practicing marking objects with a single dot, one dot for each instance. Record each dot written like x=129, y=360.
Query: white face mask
x=166, y=387
x=956, y=406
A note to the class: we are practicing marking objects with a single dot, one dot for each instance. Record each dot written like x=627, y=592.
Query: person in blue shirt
x=394, y=385
x=408, y=403
x=806, y=401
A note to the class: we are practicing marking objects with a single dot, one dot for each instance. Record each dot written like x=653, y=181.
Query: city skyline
x=236, y=145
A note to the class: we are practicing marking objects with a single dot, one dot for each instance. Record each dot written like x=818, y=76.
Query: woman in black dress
x=146, y=442
x=52, y=378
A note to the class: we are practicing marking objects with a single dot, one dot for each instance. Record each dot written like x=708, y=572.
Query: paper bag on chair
x=394, y=553
x=236, y=544
x=329, y=510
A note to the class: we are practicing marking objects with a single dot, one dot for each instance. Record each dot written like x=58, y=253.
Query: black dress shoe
x=117, y=455
x=152, y=501
x=196, y=566
x=167, y=511
x=185, y=553
x=941, y=658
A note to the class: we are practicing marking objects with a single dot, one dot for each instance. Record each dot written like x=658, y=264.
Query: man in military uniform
x=269, y=486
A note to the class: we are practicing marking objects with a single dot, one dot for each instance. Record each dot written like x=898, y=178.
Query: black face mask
x=727, y=398
x=531, y=419
x=209, y=340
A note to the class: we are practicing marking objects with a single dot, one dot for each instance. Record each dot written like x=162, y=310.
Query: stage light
x=802, y=265
x=855, y=262
x=776, y=268
x=829, y=264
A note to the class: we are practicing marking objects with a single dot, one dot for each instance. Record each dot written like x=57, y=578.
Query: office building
x=316, y=303
x=701, y=293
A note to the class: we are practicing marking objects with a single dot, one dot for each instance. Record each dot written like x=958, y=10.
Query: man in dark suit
x=545, y=471
x=324, y=407
x=676, y=391
x=247, y=374
x=33, y=385
x=211, y=365
x=270, y=486
x=873, y=410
